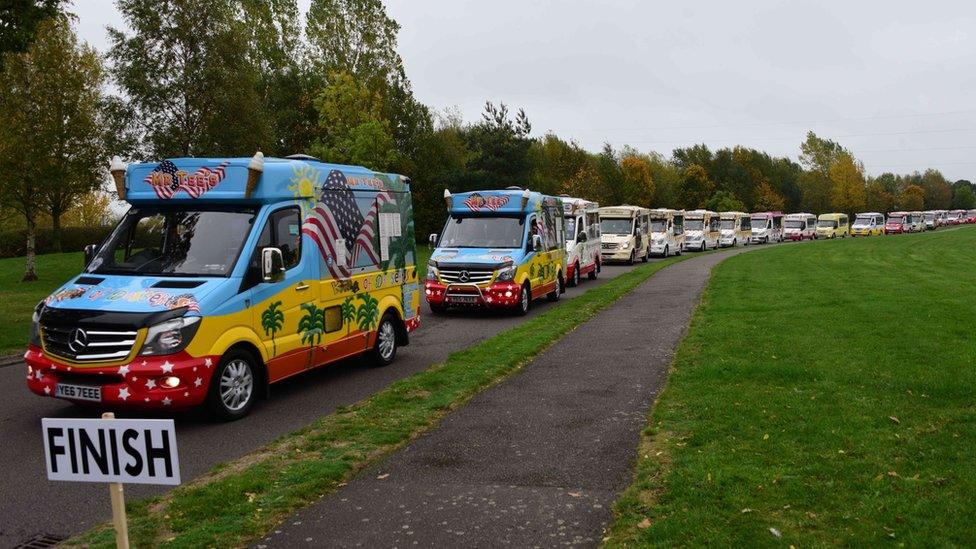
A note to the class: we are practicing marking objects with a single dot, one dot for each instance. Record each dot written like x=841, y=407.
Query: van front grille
x=466, y=276
x=89, y=344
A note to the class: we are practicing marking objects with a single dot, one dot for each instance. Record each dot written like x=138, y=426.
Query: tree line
x=229, y=77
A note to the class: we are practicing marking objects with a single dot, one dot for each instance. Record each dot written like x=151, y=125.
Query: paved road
x=31, y=505
x=535, y=461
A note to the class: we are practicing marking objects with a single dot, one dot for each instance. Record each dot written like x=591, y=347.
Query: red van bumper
x=500, y=295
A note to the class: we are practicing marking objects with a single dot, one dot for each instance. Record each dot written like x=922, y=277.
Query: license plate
x=78, y=392
x=464, y=299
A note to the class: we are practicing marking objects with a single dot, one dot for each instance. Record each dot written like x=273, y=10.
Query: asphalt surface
x=537, y=460
x=31, y=505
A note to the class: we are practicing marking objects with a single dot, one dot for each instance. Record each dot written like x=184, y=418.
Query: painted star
x=147, y=399
x=198, y=382
x=167, y=368
x=150, y=383
x=124, y=393
x=123, y=370
x=47, y=389
x=208, y=363
x=144, y=363
x=186, y=393
x=166, y=401
x=38, y=375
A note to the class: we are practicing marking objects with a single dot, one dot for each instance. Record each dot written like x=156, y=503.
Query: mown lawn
x=825, y=395
x=18, y=299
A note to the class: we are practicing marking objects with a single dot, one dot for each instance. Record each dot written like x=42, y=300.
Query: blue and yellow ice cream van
x=499, y=249
x=226, y=275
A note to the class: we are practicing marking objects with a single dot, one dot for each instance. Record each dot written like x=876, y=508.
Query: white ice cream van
x=766, y=227
x=701, y=230
x=735, y=229
x=625, y=233
x=800, y=226
x=667, y=232
x=582, y=220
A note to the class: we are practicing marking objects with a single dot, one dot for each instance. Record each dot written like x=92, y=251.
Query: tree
x=963, y=197
x=587, y=183
x=608, y=169
x=553, y=162
x=637, y=182
x=847, y=176
x=696, y=188
x=817, y=191
x=353, y=127
x=724, y=201
x=938, y=192
x=912, y=199
x=877, y=198
x=92, y=209
x=500, y=144
x=52, y=140
x=818, y=154
x=187, y=71
x=767, y=199
x=19, y=23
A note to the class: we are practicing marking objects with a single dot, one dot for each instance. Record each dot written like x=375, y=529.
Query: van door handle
x=301, y=287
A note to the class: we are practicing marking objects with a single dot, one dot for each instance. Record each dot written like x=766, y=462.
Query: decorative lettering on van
x=476, y=202
x=61, y=295
x=168, y=180
x=151, y=297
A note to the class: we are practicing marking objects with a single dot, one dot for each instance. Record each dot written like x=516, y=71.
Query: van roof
x=731, y=214
x=572, y=205
x=767, y=214
x=831, y=215
x=799, y=215
x=511, y=200
x=869, y=213
x=226, y=180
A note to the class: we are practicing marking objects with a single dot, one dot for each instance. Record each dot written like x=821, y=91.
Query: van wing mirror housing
x=537, y=243
x=90, y=251
x=432, y=239
x=581, y=237
x=272, y=265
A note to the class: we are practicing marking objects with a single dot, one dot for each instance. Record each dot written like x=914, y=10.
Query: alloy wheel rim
x=386, y=340
x=525, y=299
x=236, y=385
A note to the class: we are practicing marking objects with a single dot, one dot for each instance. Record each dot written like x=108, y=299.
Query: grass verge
x=241, y=501
x=823, y=396
x=18, y=299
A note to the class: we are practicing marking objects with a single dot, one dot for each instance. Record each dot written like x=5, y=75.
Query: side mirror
x=581, y=237
x=90, y=251
x=432, y=239
x=272, y=265
x=537, y=243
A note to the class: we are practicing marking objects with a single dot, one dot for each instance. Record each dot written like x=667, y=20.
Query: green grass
x=825, y=391
x=239, y=502
x=18, y=299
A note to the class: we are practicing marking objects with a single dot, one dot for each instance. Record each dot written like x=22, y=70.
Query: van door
x=277, y=307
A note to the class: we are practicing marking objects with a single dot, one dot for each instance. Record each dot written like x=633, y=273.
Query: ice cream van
x=868, y=224
x=702, y=230
x=800, y=226
x=931, y=220
x=582, y=219
x=225, y=276
x=833, y=225
x=667, y=231
x=499, y=249
x=736, y=229
x=957, y=217
x=625, y=233
x=898, y=223
x=917, y=220
x=766, y=227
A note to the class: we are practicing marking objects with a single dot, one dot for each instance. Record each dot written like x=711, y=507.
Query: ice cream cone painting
x=117, y=169
x=254, y=170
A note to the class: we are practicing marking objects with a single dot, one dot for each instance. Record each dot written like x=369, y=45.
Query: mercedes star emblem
x=78, y=341
x=464, y=276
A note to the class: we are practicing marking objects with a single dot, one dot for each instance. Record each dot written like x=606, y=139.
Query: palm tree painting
x=272, y=320
x=367, y=313
x=312, y=325
x=348, y=311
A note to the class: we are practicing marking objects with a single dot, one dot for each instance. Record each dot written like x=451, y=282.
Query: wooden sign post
x=117, y=492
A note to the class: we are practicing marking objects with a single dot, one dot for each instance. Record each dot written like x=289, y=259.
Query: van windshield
x=659, y=225
x=930, y=217
x=896, y=220
x=570, y=228
x=615, y=225
x=728, y=224
x=483, y=232
x=863, y=221
x=693, y=224
x=827, y=224
x=795, y=224
x=759, y=222
x=166, y=241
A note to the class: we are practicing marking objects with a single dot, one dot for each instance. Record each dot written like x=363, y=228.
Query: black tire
x=646, y=255
x=596, y=269
x=633, y=257
x=560, y=288
x=234, y=385
x=525, y=300
x=574, y=282
x=703, y=247
x=667, y=252
x=385, y=348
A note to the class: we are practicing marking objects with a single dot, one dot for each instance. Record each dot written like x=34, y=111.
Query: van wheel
x=385, y=349
x=646, y=255
x=703, y=246
x=525, y=300
x=560, y=288
x=666, y=251
x=233, y=385
x=574, y=282
x=596, y=269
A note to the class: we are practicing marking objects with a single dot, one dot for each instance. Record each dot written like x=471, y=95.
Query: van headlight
x=34, y=338
x=432, y=273
x=505, y=273
x=625, y=245
x=171, y=336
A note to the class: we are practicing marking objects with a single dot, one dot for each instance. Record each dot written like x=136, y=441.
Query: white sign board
x=130, y=451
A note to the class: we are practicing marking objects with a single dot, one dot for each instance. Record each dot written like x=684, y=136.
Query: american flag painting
x=168, y=180
x=337, y=217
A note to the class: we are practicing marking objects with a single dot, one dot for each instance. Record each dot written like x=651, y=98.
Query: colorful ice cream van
x=582, y=218
x=667, y=231
x=736, y=229
x=227, y=275
x=868, y=224
x=917, y=220
x=499, y=249
x=898, y=223
x=625, y=233
x=766, y=227
x=832, y=225
x=702, y=230
x=799, y=226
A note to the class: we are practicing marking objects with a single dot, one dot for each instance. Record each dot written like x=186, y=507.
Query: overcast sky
x=891, y=80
